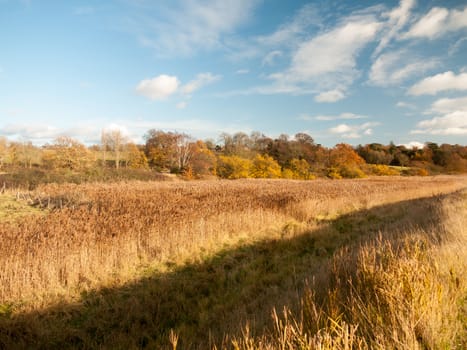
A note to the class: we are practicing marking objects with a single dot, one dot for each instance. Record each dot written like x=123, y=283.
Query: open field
x=139, y=264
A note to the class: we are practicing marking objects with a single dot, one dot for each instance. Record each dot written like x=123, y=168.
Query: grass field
x=371, y=263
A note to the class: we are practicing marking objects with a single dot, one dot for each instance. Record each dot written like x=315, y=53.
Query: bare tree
x=114, y=140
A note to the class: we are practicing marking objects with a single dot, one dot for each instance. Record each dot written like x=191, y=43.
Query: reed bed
x=96, y=235
x=406, y=290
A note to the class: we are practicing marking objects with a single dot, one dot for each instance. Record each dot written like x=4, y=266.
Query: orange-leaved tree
x=345, y=162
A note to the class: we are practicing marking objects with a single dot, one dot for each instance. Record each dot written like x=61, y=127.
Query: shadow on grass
x=202, y=302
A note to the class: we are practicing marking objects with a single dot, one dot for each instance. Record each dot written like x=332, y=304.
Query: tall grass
x=191, y=265
x=97, y=234
x=406, y=290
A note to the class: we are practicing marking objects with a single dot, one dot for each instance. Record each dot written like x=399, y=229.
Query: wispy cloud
x=397, y=18
x=454, y=48
x=242, y=71
x=293, y=30
x=185, y=27
x=342, y=116
x=440, y=82
x=202, y=79
x=334, y=53
x=269, y=59
x=402, y=104
x=330, y=96
x=437, y=22
x=396, y=67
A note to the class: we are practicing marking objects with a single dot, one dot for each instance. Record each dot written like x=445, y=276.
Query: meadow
x=244, y=264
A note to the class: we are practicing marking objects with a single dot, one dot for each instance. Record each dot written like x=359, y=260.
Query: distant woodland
x=232, y=156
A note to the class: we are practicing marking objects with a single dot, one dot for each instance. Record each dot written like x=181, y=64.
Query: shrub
x=382, y=170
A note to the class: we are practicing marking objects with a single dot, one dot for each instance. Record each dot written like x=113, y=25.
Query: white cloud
x=449, y=105
x=40, y=133
x=395, y=67
x=89, y=132
x=292, y=30
x=413, y=144
x=200, y=128
x=353, y=131
x=242, y=71
x=437, y=22
x=330, y=96
x=450, y=124
x=451, y=119
x=402, y=104
x=117, y=127
x=439, y=82
x=158, y=88
x=397, y=19
x=287, y=36
x=328, y=61
x=332, y=52
x=342, y=116
x=268, y=60
x=30, y=131
x=201, y=80
x=185, y=27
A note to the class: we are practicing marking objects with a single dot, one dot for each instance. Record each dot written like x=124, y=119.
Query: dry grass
x=134, y=260
x=406, y=290
x=12, y=209
x=99, y=233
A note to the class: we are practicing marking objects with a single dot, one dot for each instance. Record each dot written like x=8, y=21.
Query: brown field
x=138, y=264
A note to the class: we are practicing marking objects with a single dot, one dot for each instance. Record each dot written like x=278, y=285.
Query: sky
x=342, y=71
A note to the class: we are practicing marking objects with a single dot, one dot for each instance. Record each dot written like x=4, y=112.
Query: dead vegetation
x=205, y=258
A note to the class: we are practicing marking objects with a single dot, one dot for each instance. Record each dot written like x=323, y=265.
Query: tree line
x=233, y=156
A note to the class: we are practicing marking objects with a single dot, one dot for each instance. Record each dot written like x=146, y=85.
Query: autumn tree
x=3, y=151
x=299, y=169
x=264, y=166
x=233, y=167
x=346, y=161
x=168, y=150
x=203, y=160
x=134, y=157
x=66, y=153
x=24, y=154
x=375, y=153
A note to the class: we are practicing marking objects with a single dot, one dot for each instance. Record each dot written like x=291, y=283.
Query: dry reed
x=99, y=234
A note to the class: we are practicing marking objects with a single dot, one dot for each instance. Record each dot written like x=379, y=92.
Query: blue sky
x=342, y=71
